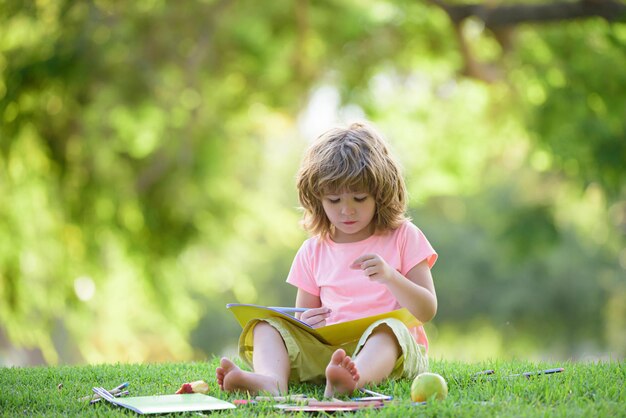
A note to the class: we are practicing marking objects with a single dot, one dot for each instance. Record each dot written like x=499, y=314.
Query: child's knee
x=391, y=332
x=384, y=330
x=386, y=334
x=263, y=328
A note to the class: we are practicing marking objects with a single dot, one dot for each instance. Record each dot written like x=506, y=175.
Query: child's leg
x=378, y=356
x=270, y=362
x=373, y=364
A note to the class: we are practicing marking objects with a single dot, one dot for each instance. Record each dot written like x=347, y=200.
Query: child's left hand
x=374, y=267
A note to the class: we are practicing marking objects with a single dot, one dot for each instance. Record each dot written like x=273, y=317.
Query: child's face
x=351, y=213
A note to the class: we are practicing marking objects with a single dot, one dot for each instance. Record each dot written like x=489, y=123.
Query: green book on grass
x=163, y=404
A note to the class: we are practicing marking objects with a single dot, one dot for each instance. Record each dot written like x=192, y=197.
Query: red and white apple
x=199, y=386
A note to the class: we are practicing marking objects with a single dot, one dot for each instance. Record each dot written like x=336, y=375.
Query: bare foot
x=231, y=378
x=341, y=374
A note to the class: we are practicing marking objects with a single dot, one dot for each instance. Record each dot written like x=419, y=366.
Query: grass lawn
x=582, y=390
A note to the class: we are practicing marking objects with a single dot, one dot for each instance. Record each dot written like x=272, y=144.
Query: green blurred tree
x=147, y=154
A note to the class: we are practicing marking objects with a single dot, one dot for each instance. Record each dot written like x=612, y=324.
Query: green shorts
x=309, y=357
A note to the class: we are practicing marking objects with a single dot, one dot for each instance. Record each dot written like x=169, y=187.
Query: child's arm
x=317, y=314
x=416, y=291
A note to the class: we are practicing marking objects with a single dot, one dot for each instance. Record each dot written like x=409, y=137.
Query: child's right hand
x=315, y=317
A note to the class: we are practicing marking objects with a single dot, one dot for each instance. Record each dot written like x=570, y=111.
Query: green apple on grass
x=427, y=385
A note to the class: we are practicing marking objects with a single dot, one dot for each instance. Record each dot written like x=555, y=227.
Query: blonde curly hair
x=355, y=159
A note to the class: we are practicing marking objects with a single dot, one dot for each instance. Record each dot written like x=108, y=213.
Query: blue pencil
x=288, y=310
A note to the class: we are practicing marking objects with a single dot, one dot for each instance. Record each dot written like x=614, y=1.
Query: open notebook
x=331, y=334
x=162, y=404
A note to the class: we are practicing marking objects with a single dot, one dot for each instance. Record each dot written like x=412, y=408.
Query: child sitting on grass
x=364, y=258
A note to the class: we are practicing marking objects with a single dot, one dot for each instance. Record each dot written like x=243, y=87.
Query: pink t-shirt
x=322, y=268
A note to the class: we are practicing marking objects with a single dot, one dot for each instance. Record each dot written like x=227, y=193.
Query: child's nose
x=348, y=210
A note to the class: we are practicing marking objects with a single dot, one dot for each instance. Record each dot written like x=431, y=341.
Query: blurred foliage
x=148, y=152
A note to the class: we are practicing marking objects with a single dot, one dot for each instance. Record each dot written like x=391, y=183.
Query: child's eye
x=333, y=200
x=360, y=199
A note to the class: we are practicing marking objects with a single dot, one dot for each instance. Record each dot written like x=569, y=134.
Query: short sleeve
x=301, y=273
x=415, y=248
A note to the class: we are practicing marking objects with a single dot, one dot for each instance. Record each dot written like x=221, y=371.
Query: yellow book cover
x=330, y=334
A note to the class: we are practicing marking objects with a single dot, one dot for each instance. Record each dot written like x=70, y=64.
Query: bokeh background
x=148, y=152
